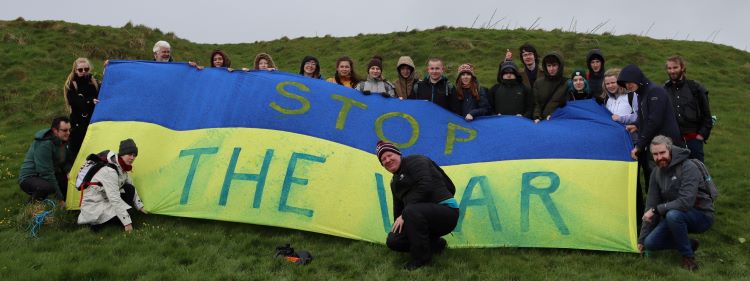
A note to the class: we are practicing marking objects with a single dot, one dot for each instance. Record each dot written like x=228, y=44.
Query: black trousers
x=40, y=188
x=424, y=224
x=77, y=133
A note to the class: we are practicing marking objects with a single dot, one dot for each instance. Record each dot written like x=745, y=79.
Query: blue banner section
x=180, y=97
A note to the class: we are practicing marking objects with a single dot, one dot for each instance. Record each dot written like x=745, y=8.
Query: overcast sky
x=238, y=21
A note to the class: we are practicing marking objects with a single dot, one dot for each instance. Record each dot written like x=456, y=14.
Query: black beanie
x=376, y=61
x=128, y=147
x=383, y=147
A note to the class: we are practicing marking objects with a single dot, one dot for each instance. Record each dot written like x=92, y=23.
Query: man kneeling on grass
x=113, y=193
x=423, y=205
x=678, y=203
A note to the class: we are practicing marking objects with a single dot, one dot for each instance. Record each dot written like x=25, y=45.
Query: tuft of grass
x=37, y=56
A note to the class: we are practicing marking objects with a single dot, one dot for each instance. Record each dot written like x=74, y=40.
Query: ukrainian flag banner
x=278, y=149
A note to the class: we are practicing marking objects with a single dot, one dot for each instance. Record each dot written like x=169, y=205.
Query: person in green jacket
x=45, y=168
x=550, y=90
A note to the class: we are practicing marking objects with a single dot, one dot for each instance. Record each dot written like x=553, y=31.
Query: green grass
x=38, y=55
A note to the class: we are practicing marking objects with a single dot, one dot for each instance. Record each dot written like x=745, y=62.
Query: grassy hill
x=37, y=56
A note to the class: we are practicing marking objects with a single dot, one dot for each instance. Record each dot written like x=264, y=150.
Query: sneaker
x=413, y=265
x=689, y=263
x=694, y=244
x=438, y=246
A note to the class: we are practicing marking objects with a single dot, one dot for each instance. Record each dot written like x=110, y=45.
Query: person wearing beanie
x=345, y=74
x=510, y=96
x=310, y=67
x=578, y=87
x=550, y=89
x=375, y=82
x=595, y=76
x=469, y=100
x=111, y=194
x=407, y=77
x=424, y=208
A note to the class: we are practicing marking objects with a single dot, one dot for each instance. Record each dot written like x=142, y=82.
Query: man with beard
x=678, y=203
x=690, y=102
x=162, y=51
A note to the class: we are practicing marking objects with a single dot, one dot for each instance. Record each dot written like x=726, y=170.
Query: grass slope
x=38, y=55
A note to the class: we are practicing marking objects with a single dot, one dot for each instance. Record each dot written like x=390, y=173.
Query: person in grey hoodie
x=676, y=204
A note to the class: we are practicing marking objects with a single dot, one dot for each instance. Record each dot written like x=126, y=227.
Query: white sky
x=238, y=21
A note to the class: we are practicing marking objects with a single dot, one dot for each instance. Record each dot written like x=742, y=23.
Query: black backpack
x=92, y=165
x=707, y=186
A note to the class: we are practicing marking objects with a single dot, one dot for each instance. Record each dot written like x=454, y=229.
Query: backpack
x=707, y=186
x=92, y=165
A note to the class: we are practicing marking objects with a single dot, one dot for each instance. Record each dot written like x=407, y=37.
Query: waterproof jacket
x=550, y=92
x=419, y=180
x=81, y=93
x=511, y=97
x=691, y=109
x=470, y=105
x=405, y=86
x=437, y=93
x=47, y=156
x=672, y=190
x=596, y=79
x=376, y=85
x=525, y=75
x=102, y=203
x=655, y=114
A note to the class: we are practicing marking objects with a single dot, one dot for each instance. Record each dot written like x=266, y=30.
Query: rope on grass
x=38, y=220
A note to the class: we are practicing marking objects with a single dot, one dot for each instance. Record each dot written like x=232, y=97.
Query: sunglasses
x=85, y=69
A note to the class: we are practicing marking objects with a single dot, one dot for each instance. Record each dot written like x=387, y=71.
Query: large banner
x=278, y=149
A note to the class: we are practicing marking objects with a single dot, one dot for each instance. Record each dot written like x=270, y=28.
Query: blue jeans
x=672, y=231
x=696, y=149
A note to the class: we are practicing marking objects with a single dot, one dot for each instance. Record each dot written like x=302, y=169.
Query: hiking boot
x=694, y=244
x=689, y=263
x=413, y=265
x=438, y=246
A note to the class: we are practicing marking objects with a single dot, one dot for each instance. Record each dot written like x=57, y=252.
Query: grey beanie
x=128, y=147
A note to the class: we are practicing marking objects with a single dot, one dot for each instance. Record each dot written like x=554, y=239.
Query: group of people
x=668, y=124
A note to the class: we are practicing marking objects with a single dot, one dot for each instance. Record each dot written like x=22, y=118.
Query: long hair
x=266, y=57
x=352, y=76
x=473, y=87
x=71, y=76
x=227, y=62
x=609, y=73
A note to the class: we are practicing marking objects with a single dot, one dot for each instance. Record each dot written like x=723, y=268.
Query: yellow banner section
x=291, y=180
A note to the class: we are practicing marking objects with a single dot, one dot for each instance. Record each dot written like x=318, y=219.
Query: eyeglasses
x=85, y=69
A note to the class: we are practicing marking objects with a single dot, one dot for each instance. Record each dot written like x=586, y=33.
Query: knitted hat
x=383, y=147
x=128, y=147
x=578, y=72
x=375, y=61
x=466, y=68
x=509, y=66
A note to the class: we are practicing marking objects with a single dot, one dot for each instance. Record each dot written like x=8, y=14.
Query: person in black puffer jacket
x=509, y=96
x=423, y=205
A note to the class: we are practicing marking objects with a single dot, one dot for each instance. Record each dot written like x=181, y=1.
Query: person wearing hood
x=81, y=94
x=469, y=99
x=264, y=61
x=111, y=193
x=655, y=115
x=45, y=167
x=424, y=207
x=435, y=86
x=578, y=87
x=375, y=82
x=345, y=74
x=220, y=59
x=407, y=77
x=690, y=102
x=550, y=90
x=310, y=67
x=678, y=203
x=595, y=76
x=510, y=96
